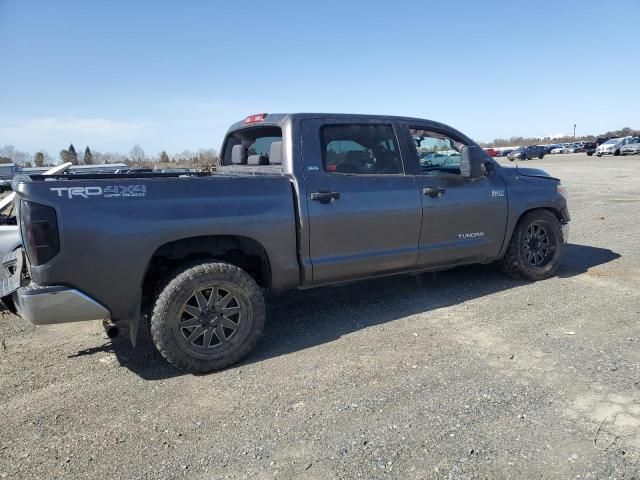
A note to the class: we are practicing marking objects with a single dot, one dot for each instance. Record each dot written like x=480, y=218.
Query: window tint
x=360, y=149
x=437, y=152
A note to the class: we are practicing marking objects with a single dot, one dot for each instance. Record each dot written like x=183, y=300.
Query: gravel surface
x=462, y=374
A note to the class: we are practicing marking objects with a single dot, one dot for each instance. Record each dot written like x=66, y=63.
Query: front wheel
x=534, y=250
x=616, y=153
x=209, y=316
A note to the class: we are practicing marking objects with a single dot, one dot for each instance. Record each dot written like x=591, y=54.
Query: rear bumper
x=56, y=304
x=44, y=305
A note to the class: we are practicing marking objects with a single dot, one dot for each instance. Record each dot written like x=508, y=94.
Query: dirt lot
x=463, y=374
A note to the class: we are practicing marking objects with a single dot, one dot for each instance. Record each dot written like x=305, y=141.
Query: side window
x=360, y=149
x=437, y=152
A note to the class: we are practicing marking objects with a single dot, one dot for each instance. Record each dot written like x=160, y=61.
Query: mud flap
x=134, y=326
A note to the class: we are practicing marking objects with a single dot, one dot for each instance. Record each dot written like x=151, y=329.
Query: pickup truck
x=297, y=201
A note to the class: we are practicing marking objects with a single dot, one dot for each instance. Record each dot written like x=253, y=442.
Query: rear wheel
x=534, y=250
x=541, y=156
x=209, y=316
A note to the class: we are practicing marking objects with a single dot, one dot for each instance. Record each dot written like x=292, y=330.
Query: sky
x=174, y=75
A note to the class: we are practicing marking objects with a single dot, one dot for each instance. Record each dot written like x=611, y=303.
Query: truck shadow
x=302, y=319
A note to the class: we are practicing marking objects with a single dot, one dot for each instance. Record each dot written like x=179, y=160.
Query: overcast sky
x=173, y=75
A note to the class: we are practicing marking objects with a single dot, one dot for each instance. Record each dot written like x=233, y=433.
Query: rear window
x=253, y=146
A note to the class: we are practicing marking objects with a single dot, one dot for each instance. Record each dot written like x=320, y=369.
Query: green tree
x=164, y=158
x=38, y=159
x=69, y=155
x=88, y=157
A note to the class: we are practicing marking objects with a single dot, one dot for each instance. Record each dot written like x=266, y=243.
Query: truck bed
x=111, y=225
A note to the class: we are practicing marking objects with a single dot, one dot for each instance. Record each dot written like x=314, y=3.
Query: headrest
x=238, y=155
x=275, y=153
x=258, y=160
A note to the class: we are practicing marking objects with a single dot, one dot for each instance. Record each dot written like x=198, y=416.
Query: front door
x=463, y=220
x=364, y=213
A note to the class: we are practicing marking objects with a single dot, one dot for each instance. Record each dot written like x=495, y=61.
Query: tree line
x=203, y=158
x=526, y=141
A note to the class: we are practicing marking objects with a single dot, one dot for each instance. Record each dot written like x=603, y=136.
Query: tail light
x=39, y=225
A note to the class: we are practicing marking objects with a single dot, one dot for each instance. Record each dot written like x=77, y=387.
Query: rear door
x=463, y=220
x=364, y=212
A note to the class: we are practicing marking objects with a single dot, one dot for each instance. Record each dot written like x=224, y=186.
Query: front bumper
x=44, y=305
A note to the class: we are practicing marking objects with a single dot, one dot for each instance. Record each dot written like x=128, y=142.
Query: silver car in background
x=631, y=148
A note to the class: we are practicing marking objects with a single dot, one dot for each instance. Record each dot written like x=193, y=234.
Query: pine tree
x=38, y=159
x=73, y=154
x=88, y=157
x=69, y=155
x=164, y=158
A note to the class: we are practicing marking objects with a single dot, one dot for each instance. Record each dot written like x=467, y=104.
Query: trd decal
x=109, y=191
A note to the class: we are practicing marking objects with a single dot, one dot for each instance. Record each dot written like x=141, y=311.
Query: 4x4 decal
x=109, y=191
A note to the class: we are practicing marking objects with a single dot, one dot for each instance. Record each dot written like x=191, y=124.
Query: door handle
x=433, y=192
x=325, y=197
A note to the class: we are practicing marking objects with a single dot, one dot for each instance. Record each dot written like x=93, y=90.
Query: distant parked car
x=557, y=149
x=548, y=148
x=589, y=148
x=492, y=152
x=613, y=146
x=574, y=148
x=631, y=148
x=527, y=153
x=503, y=152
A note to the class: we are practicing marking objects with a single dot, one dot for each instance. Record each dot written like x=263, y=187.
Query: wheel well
x=556, y=212
x=240, y=251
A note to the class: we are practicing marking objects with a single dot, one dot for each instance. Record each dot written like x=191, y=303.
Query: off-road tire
x=168, y=311
x=515, y=263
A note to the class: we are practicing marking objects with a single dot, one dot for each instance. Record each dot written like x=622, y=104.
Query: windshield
x=612, y=141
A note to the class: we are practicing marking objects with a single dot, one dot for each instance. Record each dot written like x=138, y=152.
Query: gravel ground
x=462, y=374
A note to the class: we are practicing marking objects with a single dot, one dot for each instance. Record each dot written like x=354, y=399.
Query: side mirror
x=472, y=163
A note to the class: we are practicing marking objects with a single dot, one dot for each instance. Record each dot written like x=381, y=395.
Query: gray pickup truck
x=298, y=201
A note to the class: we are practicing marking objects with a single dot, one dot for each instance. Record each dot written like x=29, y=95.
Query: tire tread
x=173, y=286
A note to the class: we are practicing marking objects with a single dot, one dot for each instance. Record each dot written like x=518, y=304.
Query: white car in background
x=613, y=146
